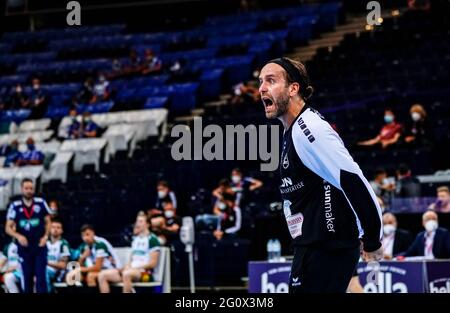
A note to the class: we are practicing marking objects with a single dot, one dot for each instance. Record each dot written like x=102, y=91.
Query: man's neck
x=294, y=109
x=54, y=239
x=27, y=201
x=144, y=233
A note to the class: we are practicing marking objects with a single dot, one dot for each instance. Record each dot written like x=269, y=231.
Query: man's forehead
x=271, y=69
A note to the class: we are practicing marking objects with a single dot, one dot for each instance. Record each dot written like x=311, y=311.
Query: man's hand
x=23, y=241
x=86, y=253
x=218, y=234
x=376, y=255
x=43, y=241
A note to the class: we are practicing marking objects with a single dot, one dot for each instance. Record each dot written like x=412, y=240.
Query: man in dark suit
x=407, y=186
x=395, y=240
x=432, y=243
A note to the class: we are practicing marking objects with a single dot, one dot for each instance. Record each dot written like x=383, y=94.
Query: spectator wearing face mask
x=243, y=185
x=230, y=216
x=442, y=203
x=38, y=100
x=166, y=226
x=74, y=129
x=418, y=130
x=381, y=186
x=395, y=240
x=166, y=198
x=88, y=127
x=101, y=89
x=18, y=99
x=434, y=242
x=32, y=156
x=389, y=133
x=13, y=155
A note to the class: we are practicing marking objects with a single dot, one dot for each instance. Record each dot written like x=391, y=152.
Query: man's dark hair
x=87, y=227
x=295, y=72
x=379, y=171
x=56, y=219
x=224, y=183
x=237, y=169
x=403, y=169
x=163, y=183
x=26, y=180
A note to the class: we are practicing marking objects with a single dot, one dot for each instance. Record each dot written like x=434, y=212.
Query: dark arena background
x=87, y=113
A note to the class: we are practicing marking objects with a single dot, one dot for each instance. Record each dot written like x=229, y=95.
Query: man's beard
x=282, y=105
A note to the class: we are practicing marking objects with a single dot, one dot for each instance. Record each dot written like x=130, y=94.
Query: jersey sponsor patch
x=295, y=223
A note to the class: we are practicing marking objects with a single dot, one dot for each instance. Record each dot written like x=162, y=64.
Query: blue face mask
x=388, y=119
x=30, y=147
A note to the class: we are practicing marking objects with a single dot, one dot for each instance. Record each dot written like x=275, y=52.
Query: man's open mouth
x=267, y=101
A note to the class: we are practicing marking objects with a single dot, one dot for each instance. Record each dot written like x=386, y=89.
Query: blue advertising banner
x=438, y=277
x=389, y=277
x=269, y=277
x=392, y=277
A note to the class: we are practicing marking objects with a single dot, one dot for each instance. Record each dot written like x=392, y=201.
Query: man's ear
x=294, y=88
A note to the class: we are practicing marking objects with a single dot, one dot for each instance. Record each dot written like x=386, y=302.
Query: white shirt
x=388, y=244
x=428, y=249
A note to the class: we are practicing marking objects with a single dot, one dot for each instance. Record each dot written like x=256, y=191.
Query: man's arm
x=44, y=238
x=154, y=257
x=321, y=150
x=61, y=264
x=10, y=231
x=255, y=184
x=97, y=267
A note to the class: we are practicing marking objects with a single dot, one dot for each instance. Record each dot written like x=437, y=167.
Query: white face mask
x=415, y=116
x=162, y=194
x=169, y=213
x=222, y=206
x=431, y=226
x=235, y=179
x=389, y=229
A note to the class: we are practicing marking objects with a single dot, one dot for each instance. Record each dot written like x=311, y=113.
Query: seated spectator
x=88, y=128
x=38, y=100
x=74, y=129
x=442, y=203
x=245, y=93
x=32, y=156
x=165, y=199
x=381, y=186
x=152, y=64
x=18, y=100
x=10, y=268
x=13, y=155
x=86, y=93
x=434, y=242
x=389, y=133
x=223, y=188
x=134, y=63
x=101, y=89
x=167, y=226
x=96, y=254
x=242, y=186
x=407, y=186
x=418, y=131
x=230, y=216
x=395, y=240
x=116, y=70
x=54, y=206
x=58, y=254
x=143, y=259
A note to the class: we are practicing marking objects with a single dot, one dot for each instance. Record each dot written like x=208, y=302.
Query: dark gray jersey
x=326, y=198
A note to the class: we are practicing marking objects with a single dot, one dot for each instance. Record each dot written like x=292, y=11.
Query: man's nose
x=262, y=88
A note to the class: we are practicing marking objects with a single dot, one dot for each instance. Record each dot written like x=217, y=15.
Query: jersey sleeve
x=65, y=249
x=47, y=208
x=322, y=151
x=101, y=250
x=153, y=244
x=11, y=214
